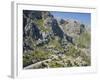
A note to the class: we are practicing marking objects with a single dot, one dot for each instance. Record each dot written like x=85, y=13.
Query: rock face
x=71, y=27
x=42, y=31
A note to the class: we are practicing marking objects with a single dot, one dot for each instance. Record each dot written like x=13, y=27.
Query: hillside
x=51, y=43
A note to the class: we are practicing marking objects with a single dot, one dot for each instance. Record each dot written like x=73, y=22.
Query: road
x=37, y=64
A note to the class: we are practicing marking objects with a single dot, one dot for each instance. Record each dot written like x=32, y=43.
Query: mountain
x=45, y=36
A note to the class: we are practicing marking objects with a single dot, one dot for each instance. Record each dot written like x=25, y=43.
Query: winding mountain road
x=37, y=64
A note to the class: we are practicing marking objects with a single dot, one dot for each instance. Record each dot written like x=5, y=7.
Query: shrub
x=55, y=64
x=27, y=59
x=40, y=23
x=72, y=51
x=41, y=54
x=84, y=40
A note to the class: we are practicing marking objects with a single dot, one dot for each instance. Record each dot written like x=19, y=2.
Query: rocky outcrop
x=68, y=28
x=71, y=27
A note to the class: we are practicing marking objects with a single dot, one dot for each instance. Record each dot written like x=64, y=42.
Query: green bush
x=27, y=59
x=72, y=51
x=54, y=64
x=40, y=23
x=41, y=54
x=84, y=40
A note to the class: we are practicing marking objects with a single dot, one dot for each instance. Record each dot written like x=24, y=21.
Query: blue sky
x=84, y=18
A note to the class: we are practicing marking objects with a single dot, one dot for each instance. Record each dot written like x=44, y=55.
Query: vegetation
x=37, y=55
x=55, y=64
x=41, y=54
x=72, y=51
x=84, y=40
x=40, y=23
x=27, y=59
